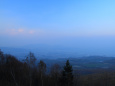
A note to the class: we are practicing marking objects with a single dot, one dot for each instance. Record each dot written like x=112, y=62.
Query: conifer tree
x=67, y=75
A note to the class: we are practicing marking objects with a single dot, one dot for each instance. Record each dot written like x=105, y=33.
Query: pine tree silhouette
x=67, y=75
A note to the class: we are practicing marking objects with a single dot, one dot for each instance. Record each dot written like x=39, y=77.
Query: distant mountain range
x=78, y=63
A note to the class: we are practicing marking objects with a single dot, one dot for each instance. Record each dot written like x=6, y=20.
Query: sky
x=83, y=24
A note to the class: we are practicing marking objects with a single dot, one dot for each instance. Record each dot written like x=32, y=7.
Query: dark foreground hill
x=87, y=71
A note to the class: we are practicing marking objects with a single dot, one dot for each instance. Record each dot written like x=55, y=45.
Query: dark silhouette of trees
x=30, y=60
x=2, y=59
x=17, y=73
x=12, y=71
x=67, y=74
x=55, y=74
x=42, y=70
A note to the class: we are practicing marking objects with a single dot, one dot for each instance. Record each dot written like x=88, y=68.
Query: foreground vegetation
x=29, y=73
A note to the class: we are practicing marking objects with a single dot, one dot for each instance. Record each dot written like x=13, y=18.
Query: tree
x=67, y=74
x=30, y=60
x=1, y=58
x=55, y=74
x=13, y=68
x=42, y=69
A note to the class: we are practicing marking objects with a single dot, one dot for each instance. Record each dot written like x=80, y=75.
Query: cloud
x=56, y=33
x=14, y=32
x=31, y=31
x=20, y=30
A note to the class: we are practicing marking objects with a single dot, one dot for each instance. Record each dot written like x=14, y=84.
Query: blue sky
x=24, y=22
x=64, y=15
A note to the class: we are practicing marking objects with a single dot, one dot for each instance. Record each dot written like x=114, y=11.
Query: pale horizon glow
x=41, y=32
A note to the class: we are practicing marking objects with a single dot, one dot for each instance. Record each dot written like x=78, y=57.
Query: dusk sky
x=83, y=23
